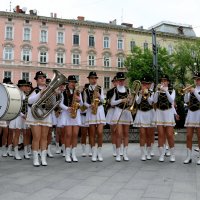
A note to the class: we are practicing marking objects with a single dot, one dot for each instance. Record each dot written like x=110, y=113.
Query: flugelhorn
x=185, y=90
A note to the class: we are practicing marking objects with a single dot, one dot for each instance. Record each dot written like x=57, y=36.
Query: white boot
x=90, y=151
x=188, y=158
x=74, y=158
x=29, y=150
x=35, y=159
x=152, y=152
x=149, y=150
x=118, y=157
x=114, y=150
x=162, y=154
x=63, y=150
x=99, y=154
x=94, y=154
x=26, y=156
x=125, y=156
x=57, y=148
x=68, y=155
x=44, y=158
x=49, y=154
x=4, y=151
x=143, y=155
x=172, y=156
x=17, y=156
x=121, y=150
x=83, y=150
x=10, y=151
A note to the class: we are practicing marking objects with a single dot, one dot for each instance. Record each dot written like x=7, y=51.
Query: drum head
x=3, y=100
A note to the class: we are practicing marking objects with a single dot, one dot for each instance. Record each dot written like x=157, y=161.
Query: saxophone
x=95, y=100
x=75, y=105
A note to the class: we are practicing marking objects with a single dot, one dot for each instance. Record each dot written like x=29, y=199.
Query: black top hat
x=72, y=78
x=146, y=79
x=29, y=83
x=164, y=76
x=48, y=80
x=22, y=83
x=92, y=74
x=7, y=80
x=120, y=76
x=196, y=75
x=114, y=79
x=39, y=74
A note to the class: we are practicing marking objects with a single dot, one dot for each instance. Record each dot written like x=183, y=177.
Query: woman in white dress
x=192, y=122
x=122, y=117
x=145, y=118
x=95, y=116
x=39, y=127
x=70, y=117
x=164, y=117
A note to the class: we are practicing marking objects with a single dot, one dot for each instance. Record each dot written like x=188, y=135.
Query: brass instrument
x=75, y=105
x=146, y=93
x=48, y=100
x=185, y=90
x=95, y=100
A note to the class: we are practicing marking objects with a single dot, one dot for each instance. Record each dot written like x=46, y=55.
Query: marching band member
x=18, y=124
x=71, y=119
x=122, y=117
x=145, y=118
x=164, y=99
x=39, y=128
x=95, y=116
x=192, y=98
x=110, y=110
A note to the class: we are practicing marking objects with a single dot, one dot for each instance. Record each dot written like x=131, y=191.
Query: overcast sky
x=138, y=12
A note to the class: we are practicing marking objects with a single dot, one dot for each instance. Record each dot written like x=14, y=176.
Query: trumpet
x=185, y=90
x=146, y=93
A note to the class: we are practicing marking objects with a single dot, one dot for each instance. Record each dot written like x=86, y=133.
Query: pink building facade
x=30, y=43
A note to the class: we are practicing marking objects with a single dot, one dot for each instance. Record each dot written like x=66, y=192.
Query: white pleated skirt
x=17, y=123
x=83, y=120
x=99, y=118
x=164, y=117
x=35, y=122
x=125, y=118
x=66, y=119
x=144, y=119
x=109, y=115
x=3, y=124
x=192, y=119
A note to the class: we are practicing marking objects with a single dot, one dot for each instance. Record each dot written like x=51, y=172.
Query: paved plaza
x=107, y=180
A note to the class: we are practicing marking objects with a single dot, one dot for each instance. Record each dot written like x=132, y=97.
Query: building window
x=119, y=44
x=27, y=34
x=170, y=49
x=25, y=76
x=75, y=59
x=8, y=53
x=132, y=45
x=120, y=62
x=26, y=55
x=43, y=57
x=106, y=61
x=91, y=41
x=43, y=36
x=77, y=77
x=7, y=74
x=60, y=58
x=91, y=60
x=9, y=33
x=145, y=45
x=106, y=42
x=60, y=38
x=106, y=82
x=75, y=39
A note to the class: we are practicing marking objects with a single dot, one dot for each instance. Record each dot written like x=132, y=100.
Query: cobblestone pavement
x=134, y=180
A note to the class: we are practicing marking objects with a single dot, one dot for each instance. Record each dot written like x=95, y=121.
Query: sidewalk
x=109, y=180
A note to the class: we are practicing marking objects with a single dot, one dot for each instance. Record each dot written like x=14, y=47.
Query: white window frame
x=89, y=41
x=120, y=44
x=63, y=40
x=79, y=40
x=7, y=76
x=146, y=45
x=22, y=54
x=7, y=54
x=120, y=62
x=26, y=78
x=91, y=60
x=105, y=82
x=24, y=38
x=43, y=55
x=106, y=43
x=11, y=34
x=78, y=58
x=170, y=49
x=41, y=36
x=106, y=61
x=131, y=44
x=63, y=53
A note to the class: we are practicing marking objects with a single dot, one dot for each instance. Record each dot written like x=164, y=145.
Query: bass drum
x=10, y=102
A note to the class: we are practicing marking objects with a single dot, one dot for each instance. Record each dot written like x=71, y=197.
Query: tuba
x=48, y=100
x=75, y=105
x=95, y=100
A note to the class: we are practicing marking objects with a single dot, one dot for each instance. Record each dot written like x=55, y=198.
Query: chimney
x=127, y=25
x=51, y=15
x=81, y=18
x=55, y=15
